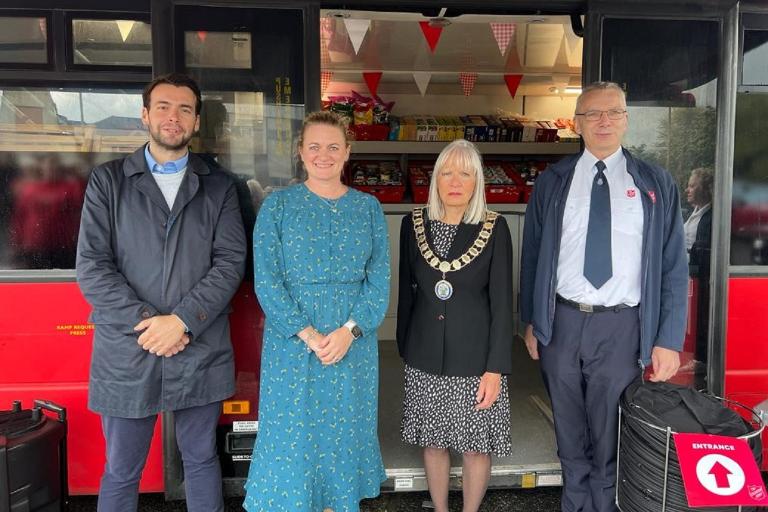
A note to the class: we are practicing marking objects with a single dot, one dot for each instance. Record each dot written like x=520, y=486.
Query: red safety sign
x=719, y=471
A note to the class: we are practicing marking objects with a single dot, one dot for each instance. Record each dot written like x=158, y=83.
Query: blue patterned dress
x=320, y=263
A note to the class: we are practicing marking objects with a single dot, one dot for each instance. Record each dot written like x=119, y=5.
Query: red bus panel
x=746, y=348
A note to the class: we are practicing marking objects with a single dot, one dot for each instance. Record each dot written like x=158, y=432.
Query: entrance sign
x=719, y=471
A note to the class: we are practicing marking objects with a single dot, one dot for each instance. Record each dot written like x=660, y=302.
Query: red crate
x=384, y=193
x=370, y=131
x=502, y=194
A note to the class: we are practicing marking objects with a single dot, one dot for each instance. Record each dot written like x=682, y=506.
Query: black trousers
x=591, y=358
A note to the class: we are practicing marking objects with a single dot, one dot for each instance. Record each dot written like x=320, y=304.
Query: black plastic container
x=33, y=459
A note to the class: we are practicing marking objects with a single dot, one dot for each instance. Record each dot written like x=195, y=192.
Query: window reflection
x=749, y=216
x=754, y=70
x=50, y=139
x=112, y=42
x=671, y=84
x=23, y=40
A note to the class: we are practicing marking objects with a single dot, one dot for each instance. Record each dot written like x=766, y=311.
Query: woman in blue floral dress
x=322, y=277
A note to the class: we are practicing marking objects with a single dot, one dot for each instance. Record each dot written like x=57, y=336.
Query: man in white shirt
x=603, y=289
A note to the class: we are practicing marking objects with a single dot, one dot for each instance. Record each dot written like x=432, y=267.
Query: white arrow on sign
x=720, y=475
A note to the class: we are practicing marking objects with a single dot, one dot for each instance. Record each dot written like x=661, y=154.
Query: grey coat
x=136, y=259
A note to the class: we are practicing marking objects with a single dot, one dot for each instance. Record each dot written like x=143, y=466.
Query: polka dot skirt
x=439, y=410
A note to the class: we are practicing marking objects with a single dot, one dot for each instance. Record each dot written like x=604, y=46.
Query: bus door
x=254, y=66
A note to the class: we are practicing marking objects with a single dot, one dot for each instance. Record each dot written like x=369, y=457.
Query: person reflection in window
x=698, y=243
x=46, y=215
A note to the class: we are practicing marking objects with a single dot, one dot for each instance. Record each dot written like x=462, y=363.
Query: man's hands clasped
x=163, y=335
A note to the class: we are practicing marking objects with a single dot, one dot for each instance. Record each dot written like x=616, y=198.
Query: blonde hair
x=600, y=86
x=464, y=154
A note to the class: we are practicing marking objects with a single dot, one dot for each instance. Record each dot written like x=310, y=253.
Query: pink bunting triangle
x=202, y=35
x=372, y=81
x=513, y=82
x=503, y=32
x=325, y=80
x=431, y=34
x=467, y=81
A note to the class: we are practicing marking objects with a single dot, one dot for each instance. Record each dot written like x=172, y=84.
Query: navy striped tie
x=597, y=255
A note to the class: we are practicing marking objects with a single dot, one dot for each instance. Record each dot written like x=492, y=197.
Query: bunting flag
x=513, y=82
x=503, y=32
x=431, y=34
x=326, y=32
x=372, y=81
x=357, y=30
x=325, y=80
x=125, y=27
x=467, y=81
x=422, y=79
x=42, y=23
x=201, y=35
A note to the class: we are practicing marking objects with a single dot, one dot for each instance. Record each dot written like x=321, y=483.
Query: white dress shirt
x=626, y=235
x=692, y=225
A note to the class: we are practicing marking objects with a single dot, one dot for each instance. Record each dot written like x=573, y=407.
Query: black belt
x=588, y=308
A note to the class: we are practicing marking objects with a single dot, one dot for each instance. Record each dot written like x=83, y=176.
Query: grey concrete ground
x=533, y=500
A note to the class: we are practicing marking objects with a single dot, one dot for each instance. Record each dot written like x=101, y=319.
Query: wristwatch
x=354, y=329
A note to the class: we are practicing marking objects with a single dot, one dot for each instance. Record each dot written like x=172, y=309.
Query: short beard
x=156, y=140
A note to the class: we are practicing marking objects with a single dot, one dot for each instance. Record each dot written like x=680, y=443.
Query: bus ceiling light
x=573, y=90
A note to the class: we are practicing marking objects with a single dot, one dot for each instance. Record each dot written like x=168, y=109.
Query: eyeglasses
x=595, y=115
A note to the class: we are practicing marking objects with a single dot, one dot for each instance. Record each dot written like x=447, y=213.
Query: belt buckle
x=586, y=308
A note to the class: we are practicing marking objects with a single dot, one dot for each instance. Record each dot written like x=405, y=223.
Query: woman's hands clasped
x=330, y=348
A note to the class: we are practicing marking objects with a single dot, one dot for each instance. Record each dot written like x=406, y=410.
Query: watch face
x=356, y=332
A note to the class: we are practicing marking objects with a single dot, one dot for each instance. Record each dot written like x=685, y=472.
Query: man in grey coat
x=160, y=254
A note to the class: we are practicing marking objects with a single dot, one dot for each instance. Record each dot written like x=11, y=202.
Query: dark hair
x=323, y=117
x=175, y=79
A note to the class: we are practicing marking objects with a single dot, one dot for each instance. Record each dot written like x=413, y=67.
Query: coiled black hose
x=647, y=455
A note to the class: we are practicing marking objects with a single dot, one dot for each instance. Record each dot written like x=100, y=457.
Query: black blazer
x=471, y=332
x=701, y=250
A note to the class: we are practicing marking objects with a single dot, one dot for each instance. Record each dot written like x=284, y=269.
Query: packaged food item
x=383, y=179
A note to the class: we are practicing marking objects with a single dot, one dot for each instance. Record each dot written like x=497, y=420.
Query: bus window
x=111, y=43
x=749, y=214
x=23, y=40
x=671, y=85
x=50, y=139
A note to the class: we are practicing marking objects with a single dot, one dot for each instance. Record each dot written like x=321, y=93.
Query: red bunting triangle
x=467, y=81
x=202, y=35
x=325, y=80
x=513, y=81
x=372, y=81
x=431, y=34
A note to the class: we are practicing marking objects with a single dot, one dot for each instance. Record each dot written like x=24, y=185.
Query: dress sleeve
x=500, y=295
x=372, y=302
x=283, y=311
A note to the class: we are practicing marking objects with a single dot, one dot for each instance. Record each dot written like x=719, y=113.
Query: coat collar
x=135, y=167
x=136, y=163
x=568, y=164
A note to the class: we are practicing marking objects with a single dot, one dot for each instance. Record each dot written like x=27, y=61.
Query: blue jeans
x=127, y=444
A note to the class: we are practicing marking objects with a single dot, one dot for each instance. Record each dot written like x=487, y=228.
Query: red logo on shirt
x=630, y=193
x=652, y=195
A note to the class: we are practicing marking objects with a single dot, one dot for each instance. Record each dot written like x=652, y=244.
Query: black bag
x=33, y=459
